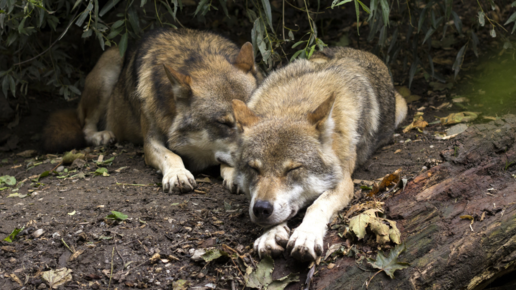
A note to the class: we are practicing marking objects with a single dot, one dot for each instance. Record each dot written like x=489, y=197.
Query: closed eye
x=254, y=169
x=226, y=123
x=290, y=170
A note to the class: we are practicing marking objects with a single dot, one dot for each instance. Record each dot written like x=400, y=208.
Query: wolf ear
x=321, y=118
x=245, y=58
x=180, y=82
x=244, y=116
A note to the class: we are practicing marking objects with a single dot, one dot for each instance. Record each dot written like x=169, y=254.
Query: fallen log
x=444, y=250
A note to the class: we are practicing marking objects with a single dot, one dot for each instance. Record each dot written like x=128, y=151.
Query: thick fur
x=172, y=93
x=303, y=133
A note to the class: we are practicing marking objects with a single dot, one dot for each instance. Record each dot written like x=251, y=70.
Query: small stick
x=203, y=197
x=111, y=275
x=62, y=240
x=120, y=257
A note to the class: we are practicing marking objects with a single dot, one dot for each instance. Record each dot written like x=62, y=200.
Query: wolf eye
x=294, y=169
x=226, y=123
x=254, y=169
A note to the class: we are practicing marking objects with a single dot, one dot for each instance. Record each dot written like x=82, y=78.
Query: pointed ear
x=321, y=118
x=180, y=82
x=245, y=58
x=244, y=116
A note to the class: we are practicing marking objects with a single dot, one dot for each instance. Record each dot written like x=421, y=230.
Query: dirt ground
x=71, y=206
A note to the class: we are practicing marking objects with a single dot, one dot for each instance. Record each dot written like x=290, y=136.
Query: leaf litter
x=388, y=264
x=261, y=277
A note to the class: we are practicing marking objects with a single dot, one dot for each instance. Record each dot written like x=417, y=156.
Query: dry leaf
x=56, y=278
x=16, y=279
x=27, y=153
x=418, y=123
x=460, y=100
x=397, y=151
x=388, y=180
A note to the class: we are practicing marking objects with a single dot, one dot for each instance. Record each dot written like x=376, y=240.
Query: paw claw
x=272, y=242
x=178, y=178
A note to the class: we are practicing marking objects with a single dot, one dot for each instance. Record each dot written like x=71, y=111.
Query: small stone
x=200, y=276
x=12, y=260
x=155, y=258
x=60, y=168
x=424, y=168
x=158, y=270
x=42, y=286
x=36, y=234
x=197, y=254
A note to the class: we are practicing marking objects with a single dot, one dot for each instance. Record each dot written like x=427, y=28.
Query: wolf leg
x=306, y=242
x=273, y=241
x=101, y=138
x=175, y=175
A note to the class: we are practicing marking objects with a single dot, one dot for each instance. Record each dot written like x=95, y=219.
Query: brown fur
x=65, y=130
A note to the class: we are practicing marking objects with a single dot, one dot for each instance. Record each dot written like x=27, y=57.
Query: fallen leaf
x=389, y=264
x=490, y=118
x=115, y=215
x=460, y=100
x=213, y=254
x=412, y=98
x=261, y=277
x=389, y=180
x=16, y=279
x=10, y=238
x=69, y=157
x=418, y=123
x=101, y=171
x=462, y=117
x=385, y=230
x=180, y=285
x=332, y=249
x=331, y=265
x=397, y=151
x=76, y=254
x=443, y=106
x=403, y=91
x=203, y=180
x=56, y=278
x=71, y=213
x=358, y=225
x=8, y=180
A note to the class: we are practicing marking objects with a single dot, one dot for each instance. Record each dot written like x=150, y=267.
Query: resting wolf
x=304, y=131
x=172, y=92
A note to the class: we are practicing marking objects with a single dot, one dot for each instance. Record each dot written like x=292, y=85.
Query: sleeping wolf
x=303, y=132
x=173, y=93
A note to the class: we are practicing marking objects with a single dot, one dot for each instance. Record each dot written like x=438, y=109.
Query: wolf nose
x=262, y=209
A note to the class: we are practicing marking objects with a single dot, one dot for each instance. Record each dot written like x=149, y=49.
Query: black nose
x=262, y=209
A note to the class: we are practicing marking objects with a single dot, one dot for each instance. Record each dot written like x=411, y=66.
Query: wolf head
x=284, y=163
x=204, y=129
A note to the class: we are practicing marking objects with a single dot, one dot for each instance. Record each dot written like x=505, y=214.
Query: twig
x=45, y=51
x=120, y=257
x=111, y=275
x=58, y=164
x=368, y=282
x=62, y=240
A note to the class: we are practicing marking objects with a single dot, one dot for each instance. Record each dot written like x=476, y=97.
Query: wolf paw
x=178, y=178
x=306, y=243
x=273, y=241
x=101, y=138
x=227, y=174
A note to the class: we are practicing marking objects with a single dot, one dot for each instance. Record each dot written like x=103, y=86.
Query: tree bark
x=444, y=251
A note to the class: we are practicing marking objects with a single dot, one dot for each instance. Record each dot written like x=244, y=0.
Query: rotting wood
x=442, y=249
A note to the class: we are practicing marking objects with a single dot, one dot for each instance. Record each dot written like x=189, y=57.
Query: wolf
x=173, y=93
x=301, y=135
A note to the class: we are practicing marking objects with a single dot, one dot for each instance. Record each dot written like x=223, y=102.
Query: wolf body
x=172, y=93
x=304, y=131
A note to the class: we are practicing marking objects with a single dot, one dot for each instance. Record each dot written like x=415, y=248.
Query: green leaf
x=115, y=215
x=457, y=22
x=10, y=238
x=458, y=61
x=366, y=9
x=336, y=3
x=389, y=264
x=412, y=72
x=214, y=254
x=123, y=44
x=118, y=23
x=200, y=6
x=8, y=180
x=297, y=54
x=481, y=18
x=385, y=11
x=367, y=187
x=84, y=14
x=107, y=161
x=101, y=171
x=298, y=43
x=76, y=4
x=108, y=6
x=268, y=15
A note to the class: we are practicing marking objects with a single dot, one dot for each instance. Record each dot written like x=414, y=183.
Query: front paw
x=273, y=241
x=228, y=174
x=101, y=138
x=306, y=243
x=178, y=178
